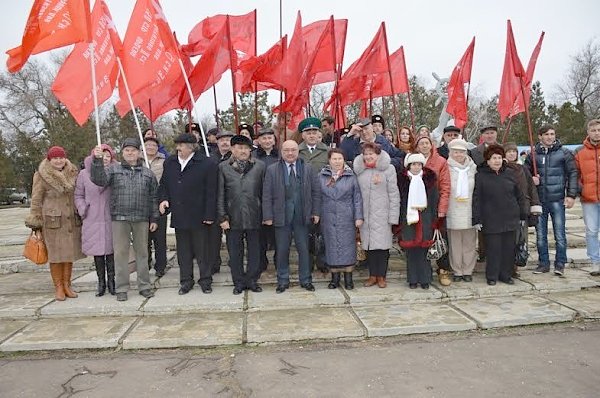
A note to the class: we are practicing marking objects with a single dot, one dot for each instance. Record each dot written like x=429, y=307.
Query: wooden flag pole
x=151, y=114
x=529, y=128
x=94, y=92
x=387, y=56
x=216, y=108
x=507, y=130
x=135, y=117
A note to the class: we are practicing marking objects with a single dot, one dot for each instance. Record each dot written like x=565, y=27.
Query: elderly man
x=291, y=202
x=489, y=135
x=157, y=238
x=188, y=189
x=149, y=133
x=223, y=151
x=240, y=213
x=133, y=210
x=450, y=134
x=363, y=132
x=312, y=150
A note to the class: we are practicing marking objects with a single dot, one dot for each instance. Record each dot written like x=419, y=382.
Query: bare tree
x=582, y=83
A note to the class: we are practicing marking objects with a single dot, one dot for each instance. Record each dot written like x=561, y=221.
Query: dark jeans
x=213, y=247
x=417, y=266
x=267, y=241
x=235, y=247
x=377, y=261
x=556, y=211
x=190, y=245
x=158, y=239
x=500, y=255
x=283, y=240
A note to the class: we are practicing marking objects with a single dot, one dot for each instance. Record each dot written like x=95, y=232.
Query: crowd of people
x=338, y=194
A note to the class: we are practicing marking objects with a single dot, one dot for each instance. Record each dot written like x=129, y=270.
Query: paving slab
x=578, y=255
x=396, y=291
x=87, y=304
x=574, y=279
x=303, y=324
x=29, y=282
x=69, y=333
x=295, y=297
x=480, y=288
x=190, y=330
x=169, y=279
x=168, y=301
x=89, y=281
x=10, y=326
x=494, y=312
x=23, y=305
x=394, y=319
x=586, y=303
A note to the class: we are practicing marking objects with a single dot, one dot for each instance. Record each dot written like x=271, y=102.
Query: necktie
x=292, y=172
x=311, y=150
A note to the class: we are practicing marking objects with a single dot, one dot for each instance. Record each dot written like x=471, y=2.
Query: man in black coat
x=240, y=212
x=450, y=133
x=188, y=189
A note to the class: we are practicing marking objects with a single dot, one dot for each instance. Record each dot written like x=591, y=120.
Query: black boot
x=335, y=280
x=100, y=271
x=348, y=282
x=110, y=273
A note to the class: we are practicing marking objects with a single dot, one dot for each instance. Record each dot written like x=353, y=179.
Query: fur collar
x=429, y=179
x=383, y=163
x=62, y=181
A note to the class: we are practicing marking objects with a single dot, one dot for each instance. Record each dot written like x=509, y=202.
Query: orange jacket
x=439, y=165
x=587, y=158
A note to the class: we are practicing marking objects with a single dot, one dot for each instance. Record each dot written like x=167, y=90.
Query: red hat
x=56, y=152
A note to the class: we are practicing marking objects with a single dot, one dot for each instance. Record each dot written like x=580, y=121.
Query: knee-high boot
x=110, y=273
x=67, y=271
x=56, y=271
x=101, y=272
x=348, y=282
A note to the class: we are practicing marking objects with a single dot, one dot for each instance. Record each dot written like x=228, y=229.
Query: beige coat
x=459, y=214
x=53, y=210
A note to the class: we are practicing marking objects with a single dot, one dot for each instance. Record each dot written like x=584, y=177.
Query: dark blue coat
x=192, y=193
x=269, y=159
x=352, y=148
x=341, y=206
x=274, y=192
x=558, y=172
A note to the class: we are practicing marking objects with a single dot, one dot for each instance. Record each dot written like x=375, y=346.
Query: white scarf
x=417, y=198
x=462, y=184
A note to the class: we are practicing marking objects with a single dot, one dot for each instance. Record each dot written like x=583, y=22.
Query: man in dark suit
x=291, y=202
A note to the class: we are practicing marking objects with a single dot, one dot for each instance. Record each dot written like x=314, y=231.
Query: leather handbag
x=361, y=255
x=35, y=249
x=438, y=248
x=522, y=251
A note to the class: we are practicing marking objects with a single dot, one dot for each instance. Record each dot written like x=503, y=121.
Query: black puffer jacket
x=240, y=194
x=498, y=202
x=557, y=170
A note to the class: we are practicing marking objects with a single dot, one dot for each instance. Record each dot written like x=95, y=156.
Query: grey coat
x=239, y=199
x=273, y=204
x=342, y=205
x=381, y=202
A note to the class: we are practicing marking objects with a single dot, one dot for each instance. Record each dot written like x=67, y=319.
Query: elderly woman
x=381, y=208
x=406, y=140
x=342, y=212
x=93, y=206
x=418, y=216
x=53, y=211
x=499, y=209
x=462, y=237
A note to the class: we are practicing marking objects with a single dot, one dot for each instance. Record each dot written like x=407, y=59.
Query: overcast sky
x=434, y=33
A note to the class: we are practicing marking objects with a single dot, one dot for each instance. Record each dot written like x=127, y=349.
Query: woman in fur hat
x=53, y=211
x=418, y=216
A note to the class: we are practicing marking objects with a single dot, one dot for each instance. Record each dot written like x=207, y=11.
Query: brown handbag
x=35, y=249
x=360, y=252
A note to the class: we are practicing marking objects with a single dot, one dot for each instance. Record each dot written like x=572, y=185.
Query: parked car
x=11, y=195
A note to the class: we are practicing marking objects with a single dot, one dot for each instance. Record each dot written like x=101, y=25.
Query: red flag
x=289, y=71
x=259, y=69
x=513, y=76
x=243, y=35
x=73, y=85
x=324, y=67
x=215, y=61
x=461, y=75
x=150, y=59
x=519, y=104
x=51, y=24
x=373, y=60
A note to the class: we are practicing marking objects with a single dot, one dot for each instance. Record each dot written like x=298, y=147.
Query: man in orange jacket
x=587, y=158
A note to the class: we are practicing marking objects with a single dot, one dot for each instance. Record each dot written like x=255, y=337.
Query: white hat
x=459, y=144
x=414, y=158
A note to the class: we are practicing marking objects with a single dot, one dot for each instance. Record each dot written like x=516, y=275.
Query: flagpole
x=151, y=115
x=387, y=56
x=135, y=117
x=507, y=130
x=216, y=108
x=94, y=93
x=529, y=128
x=190, y=93
x=232, y=68
x=255, y=82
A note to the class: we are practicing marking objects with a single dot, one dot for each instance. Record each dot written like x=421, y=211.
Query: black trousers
x=190, y=245
x=500, y=256
x=417, y=266
x=444, y=261
x=377, y=261
x=235, y=247
x=213, y=247
x=267, y=241
x=158, y=239
x=481, y=244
